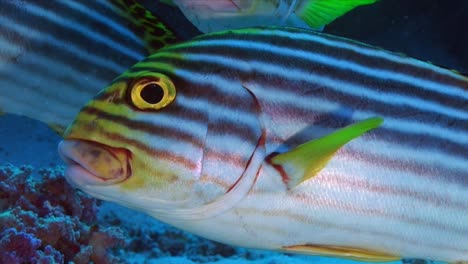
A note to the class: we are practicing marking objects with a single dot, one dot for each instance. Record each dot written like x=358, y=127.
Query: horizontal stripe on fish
x=398, y=216
x=170, y=130
x=434, y=121
x=426, y=194
x=184, y=74
x=194, y=113
x=413, y=128
x=10, y=51
x=453, y=131
x=423, y=192
x=425, y=164
x=111, y=24
x=346, y=205
x=317, y=226
x=79, y=74
x=242, y=123
x=169, y=138
x=98, y=14
x=406, y=133
x=349, y=232
x=33, y=66
x=163, y=148
x=58, y=59
x=406, y=137
x=394, y=174
x=425, y=161
x=352, y=60
x=420, y=104
x=353, y=88
x=138, y=139
x=333, y=116
x=378, y=79
x=85, y=32
x=459, y=136
x=48, y=42
x=298, y=36
x=432, y=162
x=188, y=164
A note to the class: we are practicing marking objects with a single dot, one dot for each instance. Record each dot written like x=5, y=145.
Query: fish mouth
x=92, y=163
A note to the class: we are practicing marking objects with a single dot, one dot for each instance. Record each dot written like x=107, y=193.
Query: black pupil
x=152, y=93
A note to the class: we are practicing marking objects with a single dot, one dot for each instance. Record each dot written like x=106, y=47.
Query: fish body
x=210, y=16
x=204, y=135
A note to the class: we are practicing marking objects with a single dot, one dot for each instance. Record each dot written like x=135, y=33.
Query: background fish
x=192, y=136
x=209, y=16
x=56, y=55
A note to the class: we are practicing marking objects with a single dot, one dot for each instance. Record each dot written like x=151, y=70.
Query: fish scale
x=399, y=190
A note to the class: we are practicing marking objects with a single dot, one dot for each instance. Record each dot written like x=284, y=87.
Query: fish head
x=154, y=140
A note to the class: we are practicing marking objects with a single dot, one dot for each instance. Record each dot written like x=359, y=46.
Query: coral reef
x=44, y=220
x=153, y=240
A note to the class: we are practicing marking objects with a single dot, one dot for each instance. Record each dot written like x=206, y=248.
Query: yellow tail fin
x=318, y=13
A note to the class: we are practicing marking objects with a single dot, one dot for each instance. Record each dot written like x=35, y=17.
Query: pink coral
x=44, y=220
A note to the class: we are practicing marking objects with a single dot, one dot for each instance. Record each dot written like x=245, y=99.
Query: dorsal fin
x=154, y=33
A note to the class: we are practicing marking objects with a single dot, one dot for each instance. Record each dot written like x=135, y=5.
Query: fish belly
x=353, y=202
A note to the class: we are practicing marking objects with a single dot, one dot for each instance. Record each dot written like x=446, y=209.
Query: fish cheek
x=149, y=174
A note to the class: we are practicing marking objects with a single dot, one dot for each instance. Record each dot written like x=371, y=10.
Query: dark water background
x=429, y=30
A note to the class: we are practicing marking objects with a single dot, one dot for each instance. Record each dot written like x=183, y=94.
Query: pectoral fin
x=318, y=13
x=342, y=252
x=306, y=160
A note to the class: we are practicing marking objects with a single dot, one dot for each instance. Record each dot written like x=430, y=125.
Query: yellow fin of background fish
x=306, y=160
x=154, y=33
x=58, y=128
x=317, y=13
x=344, y=252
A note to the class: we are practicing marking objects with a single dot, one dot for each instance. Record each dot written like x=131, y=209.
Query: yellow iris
x=152, y=92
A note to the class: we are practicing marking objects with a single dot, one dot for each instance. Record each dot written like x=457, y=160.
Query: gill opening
x=233, y=196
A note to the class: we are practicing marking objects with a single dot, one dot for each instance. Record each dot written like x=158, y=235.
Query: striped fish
x=272, y=138
x=56, y=55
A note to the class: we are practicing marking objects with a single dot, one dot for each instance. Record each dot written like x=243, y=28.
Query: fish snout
x=92, y=163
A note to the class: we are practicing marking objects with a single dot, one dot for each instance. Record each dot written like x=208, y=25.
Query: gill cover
x=234, y=149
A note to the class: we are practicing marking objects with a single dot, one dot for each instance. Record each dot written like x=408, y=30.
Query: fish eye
x=152, y=93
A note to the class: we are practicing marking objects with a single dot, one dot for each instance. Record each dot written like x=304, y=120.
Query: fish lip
x=78, y=174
